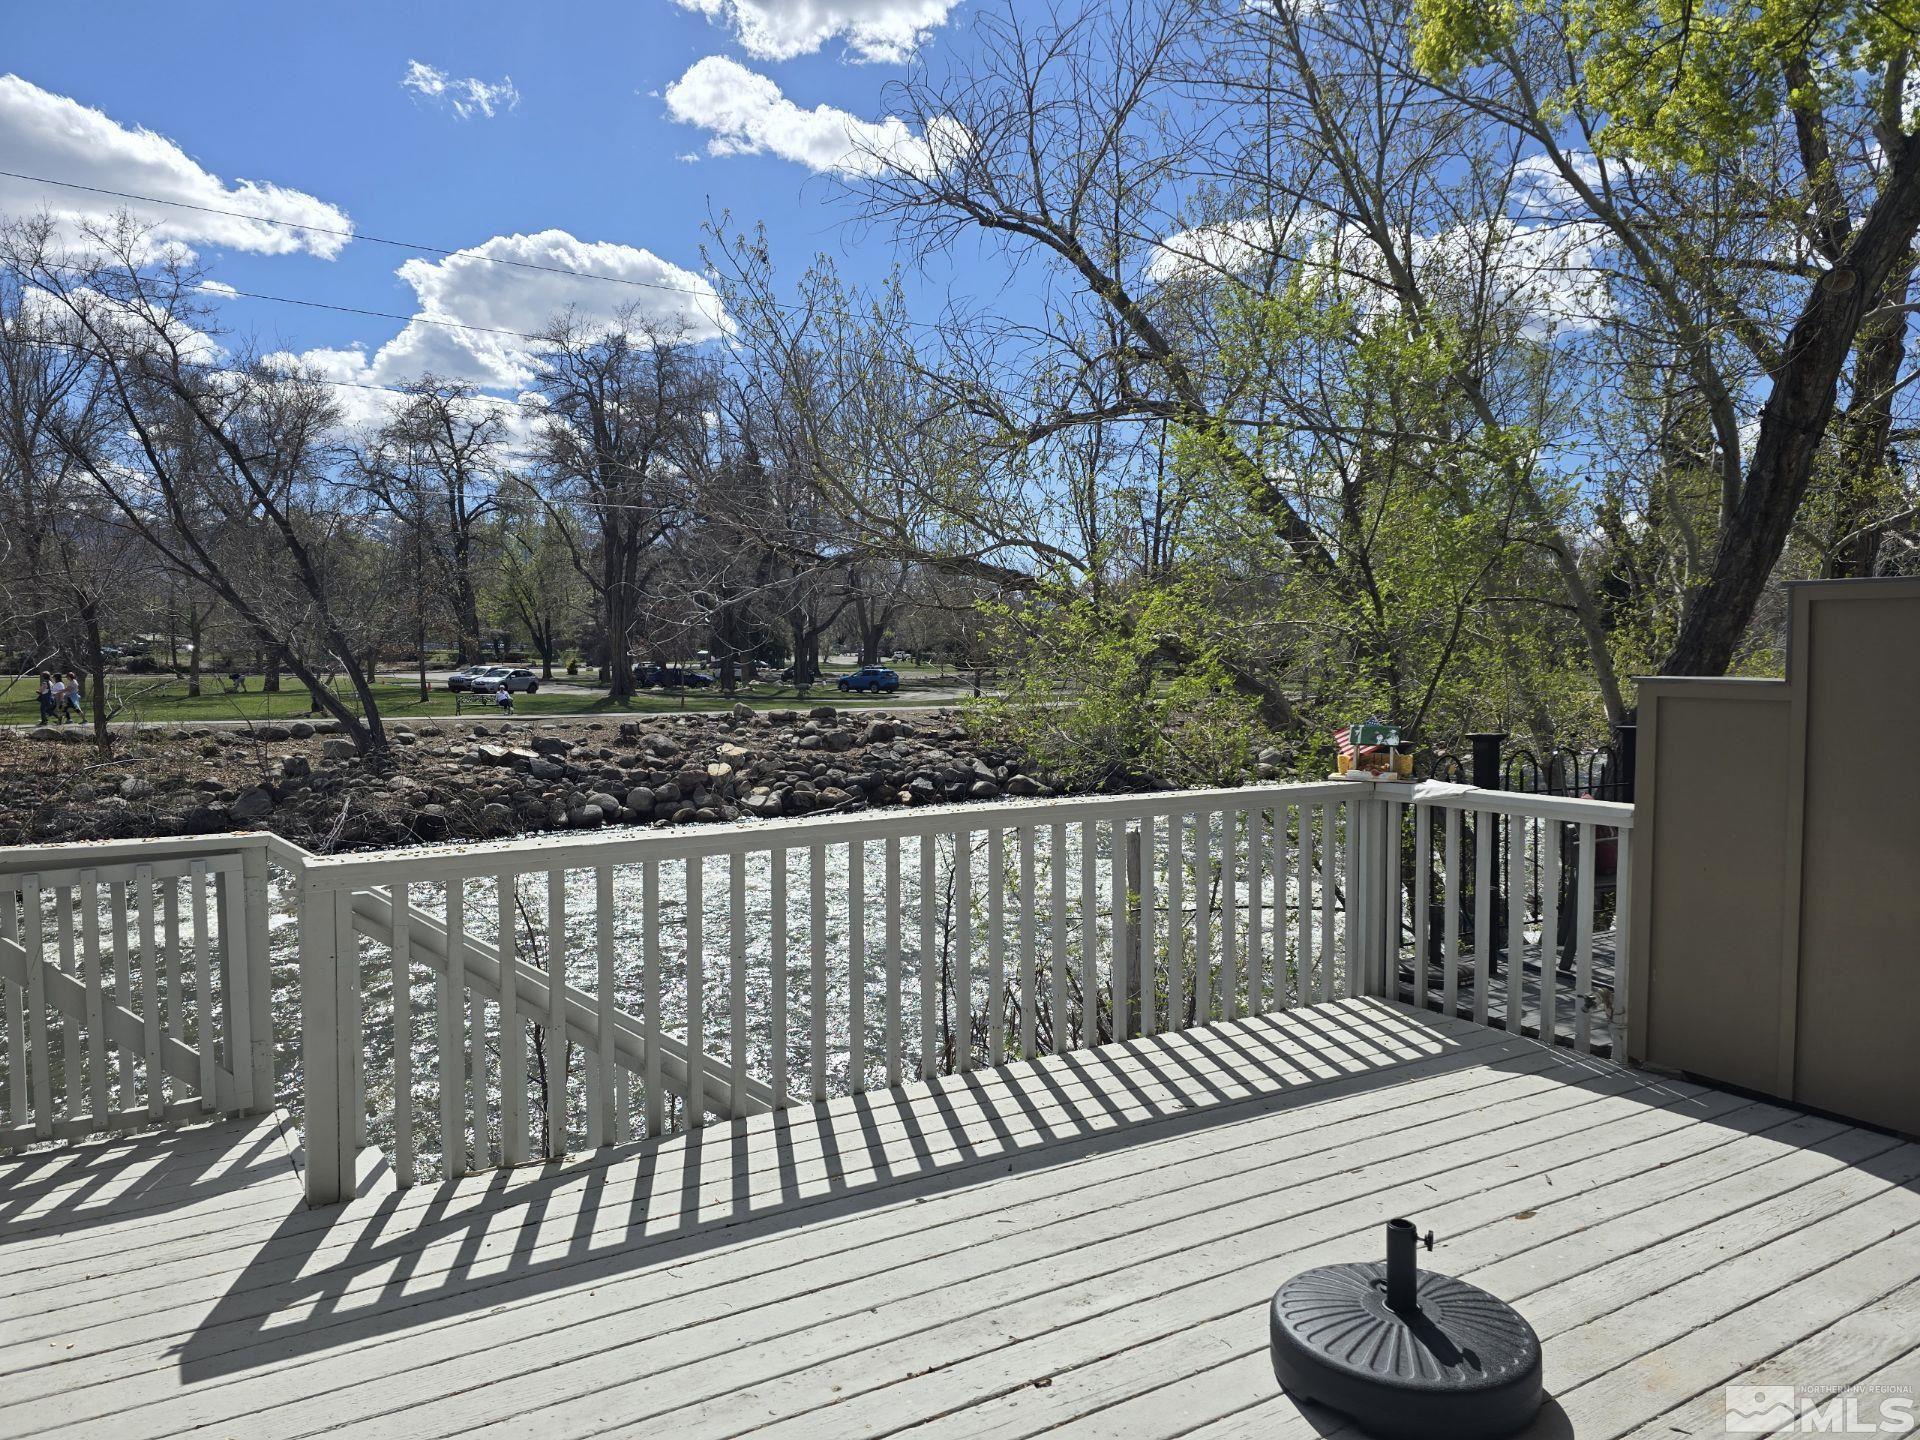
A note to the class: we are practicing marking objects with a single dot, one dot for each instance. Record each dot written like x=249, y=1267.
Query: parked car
x=488, y=678
x=463, y=678
x=871, y=677
x=672, y=677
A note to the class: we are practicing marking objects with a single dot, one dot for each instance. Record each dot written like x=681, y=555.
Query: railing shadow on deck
x=67, y=1189
x=572, y=1225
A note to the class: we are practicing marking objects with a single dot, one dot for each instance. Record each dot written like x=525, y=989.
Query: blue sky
x=581, y=138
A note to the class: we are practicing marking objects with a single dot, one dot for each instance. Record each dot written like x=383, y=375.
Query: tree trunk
x=96, y=675
x=194, y=615
x=1878, y=355
x=420, y=648
x=1792, y=423
x=619, y=623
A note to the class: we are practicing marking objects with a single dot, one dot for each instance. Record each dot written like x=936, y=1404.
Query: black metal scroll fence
x=1597, y=771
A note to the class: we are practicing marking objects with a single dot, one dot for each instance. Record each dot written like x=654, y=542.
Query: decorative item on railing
x=1372, y=747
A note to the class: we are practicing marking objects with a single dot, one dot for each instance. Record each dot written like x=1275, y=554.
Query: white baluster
x=896, y=964
x=1029, y=927
x=401, y=950
x=777, y=1010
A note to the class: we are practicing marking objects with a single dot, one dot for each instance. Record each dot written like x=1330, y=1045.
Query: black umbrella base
x=1457, y=1364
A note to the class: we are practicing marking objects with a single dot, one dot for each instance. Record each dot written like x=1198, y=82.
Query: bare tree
x=618, y=407
x=221, y=464
x=436, y=465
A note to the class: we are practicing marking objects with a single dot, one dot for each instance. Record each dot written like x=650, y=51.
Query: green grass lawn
x=157, y=700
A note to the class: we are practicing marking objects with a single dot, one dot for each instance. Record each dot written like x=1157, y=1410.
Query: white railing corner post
x=329, y=955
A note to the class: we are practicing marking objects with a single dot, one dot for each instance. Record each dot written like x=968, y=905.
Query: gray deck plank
x=577, y=1311
x=1164, y=1259
x=1485, y=1234
x=1630, y=1185
x=1878, y=1345
x=847, y=1252
x=1107, y=1223
x=557, y=1216
x=958, y=1120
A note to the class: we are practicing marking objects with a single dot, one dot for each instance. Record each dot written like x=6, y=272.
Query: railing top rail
x=1509, y=802
x=549, y=852
x=83, y=854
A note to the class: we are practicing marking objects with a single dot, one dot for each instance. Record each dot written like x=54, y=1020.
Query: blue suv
x=871, y=677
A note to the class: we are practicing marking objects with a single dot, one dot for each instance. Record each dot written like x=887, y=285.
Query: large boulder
x=337, y=749
x=255, y=803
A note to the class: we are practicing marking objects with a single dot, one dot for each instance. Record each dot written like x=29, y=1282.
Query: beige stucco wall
x=1777, y=861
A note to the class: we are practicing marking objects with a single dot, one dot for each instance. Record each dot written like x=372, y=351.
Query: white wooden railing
x=797, y=961
x=135, y=984
x=468, y=1006
x=1530, y=879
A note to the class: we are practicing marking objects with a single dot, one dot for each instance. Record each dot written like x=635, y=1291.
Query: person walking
x=57, y=699
x=78, y=710
x=46, y=697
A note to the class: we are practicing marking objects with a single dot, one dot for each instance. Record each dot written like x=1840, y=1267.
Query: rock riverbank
x=304, y=781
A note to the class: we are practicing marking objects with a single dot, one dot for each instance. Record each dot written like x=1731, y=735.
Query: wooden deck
x=1086, y=1245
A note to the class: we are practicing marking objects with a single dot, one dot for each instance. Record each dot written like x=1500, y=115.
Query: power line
x=351, y=234
x=709, y=294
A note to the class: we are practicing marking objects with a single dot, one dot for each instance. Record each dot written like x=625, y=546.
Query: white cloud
x=878, y=30
x=45, y=134
x=466, y=97
x=1229, y=247
x=80, y=309
x=365, y=405
x=1550, y=276
x=506, y=302
x=747, y=115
